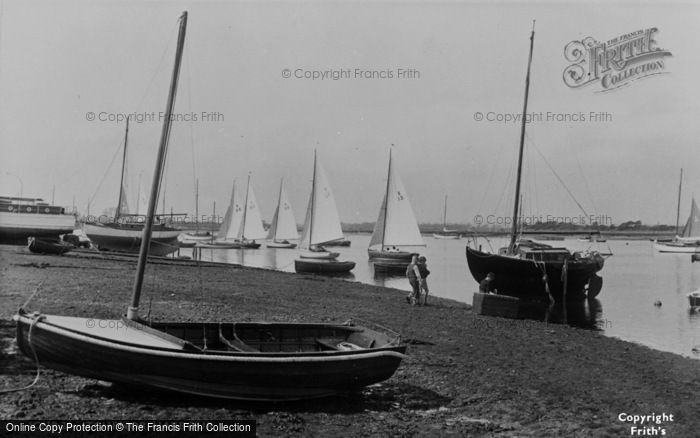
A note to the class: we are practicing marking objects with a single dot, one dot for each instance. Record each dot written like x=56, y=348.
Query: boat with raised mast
x=245, y=361
x=284, y=226
x=227, y=236
x=396, y=234
x=197, y=236
x=321, y=225
x=124, y=233
x=446, y=233
x=532, y=270
x=687, y=242
x=251, y=228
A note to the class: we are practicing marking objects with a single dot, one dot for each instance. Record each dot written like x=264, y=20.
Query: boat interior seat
x=361, y=340
x=327, y=343
x=236, y=344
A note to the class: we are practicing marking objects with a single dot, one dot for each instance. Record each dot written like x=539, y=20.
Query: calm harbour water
x=634, y=278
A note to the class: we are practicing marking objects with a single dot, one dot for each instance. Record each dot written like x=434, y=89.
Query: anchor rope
x=35, y=319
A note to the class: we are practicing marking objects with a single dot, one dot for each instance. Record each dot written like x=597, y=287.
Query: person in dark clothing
x=488, y=284
x=424, y=272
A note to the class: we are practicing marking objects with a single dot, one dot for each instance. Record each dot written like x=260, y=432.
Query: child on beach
x=424, y=272
x=414, y=279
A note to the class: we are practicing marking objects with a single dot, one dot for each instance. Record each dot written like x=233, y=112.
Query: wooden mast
x=133, y=310
x=386, y=201
x=196, y=206
x=444, y=216
x=514, y=230
x=313, y=202
x=678, y=210
x=118, y=211
x=245, y=210
x=277, y=212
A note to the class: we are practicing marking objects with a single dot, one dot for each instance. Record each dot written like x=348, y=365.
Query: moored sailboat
x=321, y=225
x=283, y=227
x=689, y=240
x=227, y=236
x=527, y=269
x=445, y=233
x=396, y=234
x=251, y=228
x=245, y=361
x=197, y=236
x=125, y=232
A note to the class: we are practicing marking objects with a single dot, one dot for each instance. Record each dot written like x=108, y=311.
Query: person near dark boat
x=414, y=279
x=488, y=284
x=424, y=272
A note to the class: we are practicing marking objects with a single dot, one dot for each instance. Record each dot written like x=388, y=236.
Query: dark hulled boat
x=526, y=269
x=323, y=266
x=521, y=275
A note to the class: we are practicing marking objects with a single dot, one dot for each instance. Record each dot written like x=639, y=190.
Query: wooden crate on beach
x=495, y=305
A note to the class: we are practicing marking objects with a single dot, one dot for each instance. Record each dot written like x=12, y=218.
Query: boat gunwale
x=217, y=355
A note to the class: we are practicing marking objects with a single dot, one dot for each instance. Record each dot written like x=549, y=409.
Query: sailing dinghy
x=284, y=226
x=446, y=234
x=245, y=361
x=321, y=225
x=396, y=230
x=227, y=236
x=689, y=240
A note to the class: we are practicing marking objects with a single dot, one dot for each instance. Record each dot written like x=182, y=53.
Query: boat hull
x=104, y=352
x=390, y=261
x=319, y=255
x=677, y=248
x=447, y=236
x=522, y=278
x=219, y=244
x=320, y=266
x=128, y=239
x=339, y=242
x=15, y=228
x=285, y=244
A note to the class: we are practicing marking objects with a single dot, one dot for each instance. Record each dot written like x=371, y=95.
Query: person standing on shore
x=414, y=279
x=424, y=272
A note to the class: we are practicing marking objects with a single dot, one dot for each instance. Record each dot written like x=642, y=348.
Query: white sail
x=396, y=225
x=284, y=226
x=232, y=220
x=691, y=231
x=251, y=227
x=322, y=223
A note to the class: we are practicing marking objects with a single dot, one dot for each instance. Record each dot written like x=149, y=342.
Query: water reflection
x=585, y=314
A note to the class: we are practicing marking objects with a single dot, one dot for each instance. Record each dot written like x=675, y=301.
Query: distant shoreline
x=465, y=375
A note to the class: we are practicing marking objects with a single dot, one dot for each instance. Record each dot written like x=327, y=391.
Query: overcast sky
x=61, y=62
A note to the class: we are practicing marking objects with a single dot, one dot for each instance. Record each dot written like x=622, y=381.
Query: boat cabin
x=540, y=252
